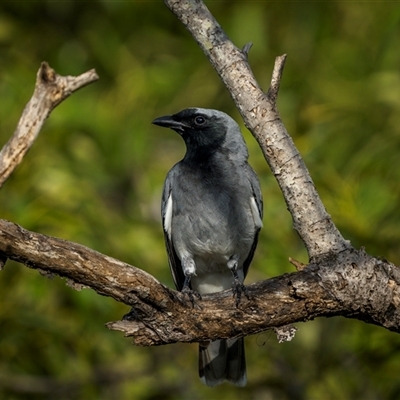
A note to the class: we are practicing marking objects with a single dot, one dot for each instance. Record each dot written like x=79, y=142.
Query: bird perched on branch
x=211, y=214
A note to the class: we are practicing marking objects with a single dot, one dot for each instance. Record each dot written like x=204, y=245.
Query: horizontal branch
x=50, y=90
x=81, y=265
x=353, y=285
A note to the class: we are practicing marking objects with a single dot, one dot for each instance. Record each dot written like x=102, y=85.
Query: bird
x=212, y=210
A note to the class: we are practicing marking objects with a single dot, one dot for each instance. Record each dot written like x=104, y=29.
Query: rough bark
x=353, y=284
x=339, y=280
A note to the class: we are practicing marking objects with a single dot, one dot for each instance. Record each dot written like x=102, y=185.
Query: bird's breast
x=212, y=230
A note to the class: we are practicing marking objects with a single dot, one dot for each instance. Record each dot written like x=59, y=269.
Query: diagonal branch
x=50, y=90
x=259, y=113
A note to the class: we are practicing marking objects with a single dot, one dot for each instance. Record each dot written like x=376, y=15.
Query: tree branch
x=353, y=285
x=50, y=90
x=276, y=79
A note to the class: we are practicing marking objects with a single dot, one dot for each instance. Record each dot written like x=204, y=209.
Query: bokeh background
x=95, y=176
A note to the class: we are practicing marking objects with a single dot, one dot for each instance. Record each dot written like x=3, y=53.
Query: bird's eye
x=199, y=120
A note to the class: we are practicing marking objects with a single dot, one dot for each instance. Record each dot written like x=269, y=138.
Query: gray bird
x=211, y=214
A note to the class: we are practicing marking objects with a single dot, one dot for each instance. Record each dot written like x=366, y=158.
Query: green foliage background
x=95, y=176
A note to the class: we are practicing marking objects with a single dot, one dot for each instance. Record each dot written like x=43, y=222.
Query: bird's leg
x=237, y=286
x=189, y=269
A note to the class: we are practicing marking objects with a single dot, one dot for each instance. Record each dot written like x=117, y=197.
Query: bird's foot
x=238, y=288
x=189, y=269
x=191, y=294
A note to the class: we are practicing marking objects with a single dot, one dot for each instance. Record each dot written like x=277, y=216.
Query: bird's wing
x=166, y=213
x=256, y=189
x=257, y=208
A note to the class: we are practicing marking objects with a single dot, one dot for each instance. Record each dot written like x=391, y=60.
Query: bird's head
x=205, y=130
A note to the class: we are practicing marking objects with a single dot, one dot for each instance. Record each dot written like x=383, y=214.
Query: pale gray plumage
x=212, y=213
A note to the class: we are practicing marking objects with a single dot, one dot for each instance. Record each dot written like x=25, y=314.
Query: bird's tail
x=223, y=360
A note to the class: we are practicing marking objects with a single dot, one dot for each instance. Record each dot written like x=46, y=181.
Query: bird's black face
x=199, y=130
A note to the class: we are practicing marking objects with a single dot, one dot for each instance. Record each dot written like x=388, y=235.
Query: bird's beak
x=168, y=121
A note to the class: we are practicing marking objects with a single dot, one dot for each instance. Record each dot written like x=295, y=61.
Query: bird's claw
x=238, y=288
x=191, y=294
